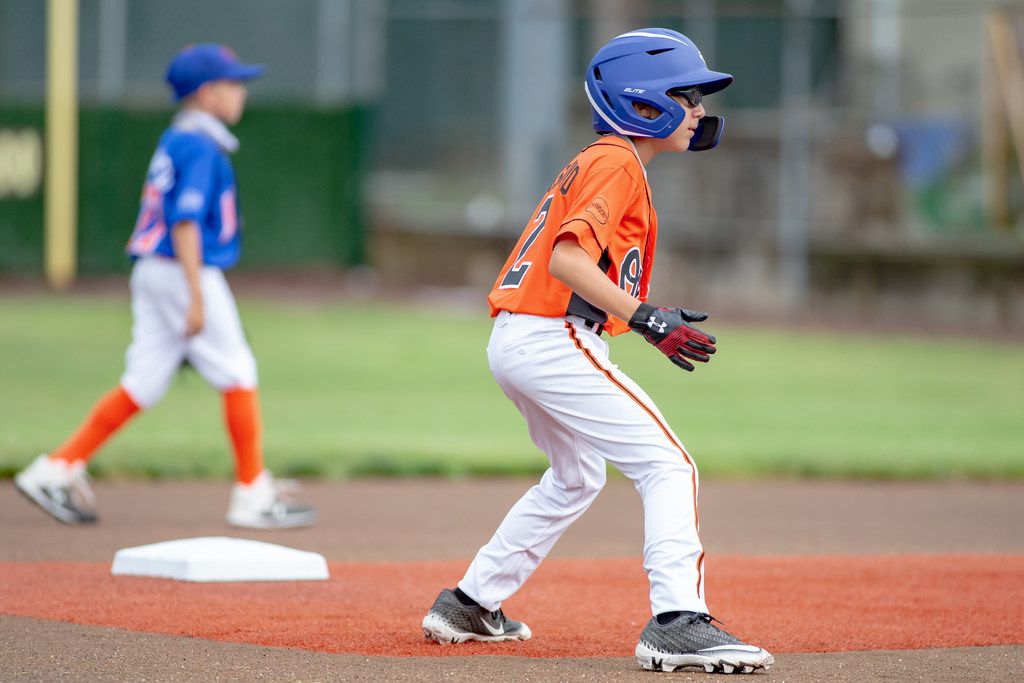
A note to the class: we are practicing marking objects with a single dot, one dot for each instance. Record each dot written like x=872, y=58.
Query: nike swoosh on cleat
x=490, y=629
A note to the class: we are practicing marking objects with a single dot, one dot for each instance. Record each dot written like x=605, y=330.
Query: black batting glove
x=669, y=331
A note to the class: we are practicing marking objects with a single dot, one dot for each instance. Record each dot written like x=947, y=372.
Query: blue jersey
x=190, y=178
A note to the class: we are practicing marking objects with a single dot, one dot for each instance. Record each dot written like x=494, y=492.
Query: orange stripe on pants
x=664, y=428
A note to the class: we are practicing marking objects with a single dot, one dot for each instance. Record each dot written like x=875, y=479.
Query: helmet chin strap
x=707, y=134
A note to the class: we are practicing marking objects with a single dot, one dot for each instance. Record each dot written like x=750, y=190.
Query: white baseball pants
x=582, y=411
x=160, y=300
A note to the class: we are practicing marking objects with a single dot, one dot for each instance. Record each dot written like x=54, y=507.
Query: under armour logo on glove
x=658, y=327
x=669, y=331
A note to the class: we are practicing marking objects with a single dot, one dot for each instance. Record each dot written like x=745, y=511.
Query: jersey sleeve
x=597, y=208
x=195, y=167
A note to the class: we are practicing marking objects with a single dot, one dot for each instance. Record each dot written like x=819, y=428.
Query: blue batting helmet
x=643, y=66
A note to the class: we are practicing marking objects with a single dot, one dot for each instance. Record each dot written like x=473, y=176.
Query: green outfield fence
x=299, y=174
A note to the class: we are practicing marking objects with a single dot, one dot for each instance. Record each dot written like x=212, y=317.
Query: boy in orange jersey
x=187, y=233
x=582, y=267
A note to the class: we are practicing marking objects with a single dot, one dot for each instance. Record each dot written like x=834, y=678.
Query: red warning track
x=581, y=608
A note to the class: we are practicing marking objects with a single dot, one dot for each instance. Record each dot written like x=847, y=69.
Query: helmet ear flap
x=707, y=134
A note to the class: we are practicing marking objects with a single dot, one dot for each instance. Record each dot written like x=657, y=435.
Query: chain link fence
x=853, y=125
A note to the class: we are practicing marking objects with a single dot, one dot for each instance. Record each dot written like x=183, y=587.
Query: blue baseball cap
x=205, y=62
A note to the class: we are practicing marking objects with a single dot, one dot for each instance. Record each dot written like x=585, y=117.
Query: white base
x=220, y=559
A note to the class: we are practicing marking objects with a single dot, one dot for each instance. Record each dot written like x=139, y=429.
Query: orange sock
x=107, y=416
x=242, y=414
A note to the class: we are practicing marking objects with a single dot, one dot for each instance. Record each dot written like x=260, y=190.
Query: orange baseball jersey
x=601, y=199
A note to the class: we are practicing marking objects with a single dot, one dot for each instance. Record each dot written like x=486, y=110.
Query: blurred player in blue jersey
x=187, y=233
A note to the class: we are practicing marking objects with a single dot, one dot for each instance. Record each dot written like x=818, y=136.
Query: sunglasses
x=692, y=95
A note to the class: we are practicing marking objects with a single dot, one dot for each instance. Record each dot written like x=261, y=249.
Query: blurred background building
x=871, y=164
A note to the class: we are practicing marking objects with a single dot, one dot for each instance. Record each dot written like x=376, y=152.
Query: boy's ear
x=201, y=91
x=645, y=110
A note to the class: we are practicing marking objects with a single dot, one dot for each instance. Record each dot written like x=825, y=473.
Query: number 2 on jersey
x=514, y=277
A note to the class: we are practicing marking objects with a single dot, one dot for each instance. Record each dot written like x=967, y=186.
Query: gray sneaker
x=60, y=489
x=691, y=640
x=449, y=621
x=265, y=503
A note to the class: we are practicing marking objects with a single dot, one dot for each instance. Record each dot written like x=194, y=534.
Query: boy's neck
x=644, y=153
x=196, y=107
x=197, y=119
x=646, y=149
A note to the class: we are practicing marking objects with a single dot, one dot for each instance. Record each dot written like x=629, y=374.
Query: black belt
x=593, y=317
x=593, y=326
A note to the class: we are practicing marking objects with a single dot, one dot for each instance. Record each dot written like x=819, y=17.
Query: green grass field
x=354, y=389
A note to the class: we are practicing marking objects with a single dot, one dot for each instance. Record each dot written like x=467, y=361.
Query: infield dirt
x=830, y=574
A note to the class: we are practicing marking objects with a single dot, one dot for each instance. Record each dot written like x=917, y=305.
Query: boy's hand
x=194, y=318
x=667, y=329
